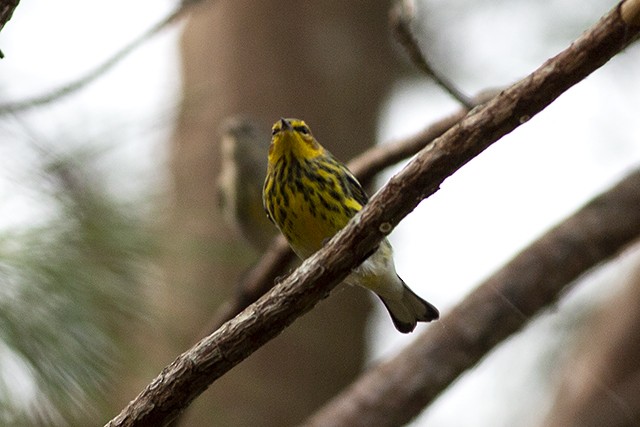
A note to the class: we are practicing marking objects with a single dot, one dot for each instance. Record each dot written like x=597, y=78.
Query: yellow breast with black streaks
x=308, y=194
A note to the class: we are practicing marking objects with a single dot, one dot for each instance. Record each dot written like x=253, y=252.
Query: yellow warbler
x=310, y=196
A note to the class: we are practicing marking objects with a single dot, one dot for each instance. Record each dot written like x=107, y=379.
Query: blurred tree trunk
x=601, y=382
x=329, y=63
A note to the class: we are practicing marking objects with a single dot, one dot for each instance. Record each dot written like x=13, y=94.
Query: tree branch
x=193, y=371
x=6, y=12
x=100, y=69
x=400, y=18
x=600, y=381
x=397, y=390
x=262, y=276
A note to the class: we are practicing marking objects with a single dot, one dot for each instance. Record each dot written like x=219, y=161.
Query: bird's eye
x=274, y=131
x=302, y=129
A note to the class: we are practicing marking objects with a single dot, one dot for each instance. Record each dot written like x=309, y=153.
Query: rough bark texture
x=192, y=372
x=266, y=60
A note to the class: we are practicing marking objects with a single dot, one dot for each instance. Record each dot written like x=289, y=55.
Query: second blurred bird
x=243, y=166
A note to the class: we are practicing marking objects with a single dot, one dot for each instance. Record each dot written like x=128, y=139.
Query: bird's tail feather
x=408, y=310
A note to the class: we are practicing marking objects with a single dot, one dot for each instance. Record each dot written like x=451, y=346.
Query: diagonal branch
x=262, y=276
x=400, y=18
x=6, y=12
x=397, y=390
x=193, y=371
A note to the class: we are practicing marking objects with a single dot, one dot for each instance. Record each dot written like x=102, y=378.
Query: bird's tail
x=409, y=309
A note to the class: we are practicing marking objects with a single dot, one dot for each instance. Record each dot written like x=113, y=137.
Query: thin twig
x=100, y=69
x=400, y=18
x=195, y=370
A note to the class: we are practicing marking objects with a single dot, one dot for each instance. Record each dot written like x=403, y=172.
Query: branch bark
x=193, y=371
x=395, y=391
x=262, y=276
x=6, y=12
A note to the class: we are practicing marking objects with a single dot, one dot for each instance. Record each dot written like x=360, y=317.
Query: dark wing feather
x=357, y=191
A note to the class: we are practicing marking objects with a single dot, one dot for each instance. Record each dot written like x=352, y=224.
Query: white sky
x=491, y=208
x=128, y=112
x=513, y=192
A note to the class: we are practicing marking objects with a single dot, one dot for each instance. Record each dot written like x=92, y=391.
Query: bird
x=239, y=183
x=310, y=195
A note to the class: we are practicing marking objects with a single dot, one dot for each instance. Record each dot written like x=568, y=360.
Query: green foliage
x=70, y=291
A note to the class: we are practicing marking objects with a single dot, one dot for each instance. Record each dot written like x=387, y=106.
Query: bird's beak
x=284, y=123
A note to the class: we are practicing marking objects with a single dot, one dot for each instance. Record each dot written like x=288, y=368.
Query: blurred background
x=115, y=253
